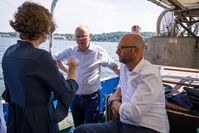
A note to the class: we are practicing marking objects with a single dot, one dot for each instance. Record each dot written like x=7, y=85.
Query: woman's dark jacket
x=31, y=78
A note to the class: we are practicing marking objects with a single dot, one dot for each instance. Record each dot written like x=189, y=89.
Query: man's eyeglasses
x=122, y=47
x=80, y=36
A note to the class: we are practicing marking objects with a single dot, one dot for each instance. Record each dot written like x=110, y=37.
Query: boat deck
x=179, y=77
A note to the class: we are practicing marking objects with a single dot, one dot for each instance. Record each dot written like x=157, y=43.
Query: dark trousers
x=85, y=108
x=111, y=127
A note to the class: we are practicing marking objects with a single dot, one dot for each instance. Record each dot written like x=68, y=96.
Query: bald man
x=136, y=29
x=139, y=99
x=85, y=106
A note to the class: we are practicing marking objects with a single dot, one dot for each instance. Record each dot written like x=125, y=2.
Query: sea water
x=58, y=46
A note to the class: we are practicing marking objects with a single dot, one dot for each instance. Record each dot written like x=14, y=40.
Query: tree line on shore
x=104, y=37
x=109, y=37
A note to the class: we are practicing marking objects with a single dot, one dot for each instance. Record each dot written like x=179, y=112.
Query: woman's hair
x=32, y=20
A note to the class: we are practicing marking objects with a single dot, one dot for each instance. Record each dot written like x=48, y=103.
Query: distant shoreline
x=104, y=37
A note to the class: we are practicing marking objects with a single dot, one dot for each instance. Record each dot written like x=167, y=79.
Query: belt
x=89, y=95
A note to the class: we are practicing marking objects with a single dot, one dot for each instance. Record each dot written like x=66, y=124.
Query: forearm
x=64, y=69
x=116, y=69
x=116, y=97
x=117, y=92
x=72, y=72
x=61, y=66
x=116, y=105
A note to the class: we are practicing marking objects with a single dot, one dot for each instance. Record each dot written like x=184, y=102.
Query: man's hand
x=114, y=113
x=72, y=63
x=114, y=103
x=113, y=98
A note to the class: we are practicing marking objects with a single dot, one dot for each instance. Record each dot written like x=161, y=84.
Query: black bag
x=193, y=94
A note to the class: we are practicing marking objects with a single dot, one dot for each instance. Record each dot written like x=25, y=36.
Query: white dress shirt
x=143, y=99
x=89, y=68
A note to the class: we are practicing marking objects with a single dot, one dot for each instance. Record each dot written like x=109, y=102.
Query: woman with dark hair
x=31, y=76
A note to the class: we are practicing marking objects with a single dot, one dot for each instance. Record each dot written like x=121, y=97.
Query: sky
x=101, y=16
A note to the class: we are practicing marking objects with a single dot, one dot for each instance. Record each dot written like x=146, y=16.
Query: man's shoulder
x=71, y=49
x=99, y=50
x=95, y=47
x=149, y=68
x=148, y=64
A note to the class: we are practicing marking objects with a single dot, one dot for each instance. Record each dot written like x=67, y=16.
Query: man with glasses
x=85, y=107
x=139, y=100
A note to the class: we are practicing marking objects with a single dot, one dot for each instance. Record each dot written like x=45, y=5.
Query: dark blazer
x=31, y=77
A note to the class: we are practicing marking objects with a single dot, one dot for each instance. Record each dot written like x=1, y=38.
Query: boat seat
x=181, y=120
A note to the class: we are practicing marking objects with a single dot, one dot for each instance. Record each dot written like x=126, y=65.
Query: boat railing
x=107, y=86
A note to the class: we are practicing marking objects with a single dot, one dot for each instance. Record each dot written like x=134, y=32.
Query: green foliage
x=107, y=37
x=104, y=37
x=147, y=35
x=70, y=37
x=110, y=37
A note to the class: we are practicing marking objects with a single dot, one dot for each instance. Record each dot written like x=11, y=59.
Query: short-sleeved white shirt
x=89, y=68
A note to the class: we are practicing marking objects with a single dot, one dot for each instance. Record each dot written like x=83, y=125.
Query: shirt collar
x=90, y=48
x=139, y=66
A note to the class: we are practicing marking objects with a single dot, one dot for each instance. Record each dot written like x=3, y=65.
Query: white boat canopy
x=180, y=18
x=178, y=4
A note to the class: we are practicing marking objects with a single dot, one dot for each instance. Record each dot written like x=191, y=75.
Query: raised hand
x=73, y=61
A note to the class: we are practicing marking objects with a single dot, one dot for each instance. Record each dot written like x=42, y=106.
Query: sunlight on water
x=58, y=46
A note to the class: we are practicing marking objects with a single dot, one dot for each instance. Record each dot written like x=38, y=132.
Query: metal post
x=51, y=35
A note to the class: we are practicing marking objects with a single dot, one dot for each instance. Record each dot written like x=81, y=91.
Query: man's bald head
x=136, y=29
x=82, y=36
x=82, y=28
x=132, y=39
x=130, y=49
